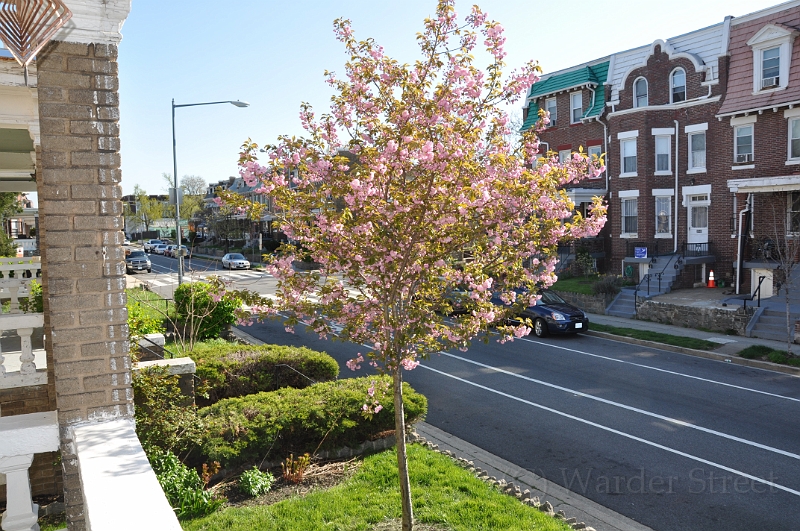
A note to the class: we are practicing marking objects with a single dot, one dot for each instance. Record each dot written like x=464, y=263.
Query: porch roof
x=764, y=184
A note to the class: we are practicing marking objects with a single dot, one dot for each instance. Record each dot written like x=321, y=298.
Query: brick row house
x=66, y=405
x=701, y=131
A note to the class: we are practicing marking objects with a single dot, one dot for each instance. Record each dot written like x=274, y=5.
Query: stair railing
x=757, y=292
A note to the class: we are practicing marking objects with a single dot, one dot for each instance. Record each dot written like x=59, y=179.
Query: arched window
x=677, y=83
x=640, y=92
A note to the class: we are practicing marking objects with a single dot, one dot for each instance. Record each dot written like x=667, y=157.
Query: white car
x=160, y=248
x=235, y=261
x=149, y=244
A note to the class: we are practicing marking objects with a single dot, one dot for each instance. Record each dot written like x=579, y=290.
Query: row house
x=700, y=132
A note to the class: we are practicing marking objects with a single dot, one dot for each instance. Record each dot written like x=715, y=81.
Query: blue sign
x=640, y=252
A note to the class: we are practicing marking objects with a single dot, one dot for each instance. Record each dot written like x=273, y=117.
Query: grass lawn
x=153, y=304
x=668, y=339
x=761, y=352
x=443, y=494
x=576, y=284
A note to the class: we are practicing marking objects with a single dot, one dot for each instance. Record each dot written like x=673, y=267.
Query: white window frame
x=767, y=38
x=625, y=137
x=791, y=213
x=663, y=194
x=736, y=153
x=665, y=134
x=572, y=108
x=646, y=93
x=792, y=116
x=564, y=155
x=672, y=86
x=595, y=150
x=553, y=115
x=625, y=196
x=691, y=131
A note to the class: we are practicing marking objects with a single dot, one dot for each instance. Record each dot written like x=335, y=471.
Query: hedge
x=230, y=370
x=326, y=416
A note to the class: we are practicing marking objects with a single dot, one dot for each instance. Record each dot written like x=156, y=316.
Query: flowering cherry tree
x=410, y=197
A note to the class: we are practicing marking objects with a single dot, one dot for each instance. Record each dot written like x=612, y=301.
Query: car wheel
x=149, y=270
x=540, y=327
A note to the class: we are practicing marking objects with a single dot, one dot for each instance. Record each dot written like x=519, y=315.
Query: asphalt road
x=671, y=441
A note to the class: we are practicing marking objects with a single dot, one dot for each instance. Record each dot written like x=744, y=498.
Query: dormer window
x=771, y=68
x=677, y=82
x=576, y=107
x=640, y=92
x=772, y=53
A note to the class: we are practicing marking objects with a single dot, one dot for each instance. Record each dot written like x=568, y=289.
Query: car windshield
x=137, y=254
x=236, y=256
x=548, y=297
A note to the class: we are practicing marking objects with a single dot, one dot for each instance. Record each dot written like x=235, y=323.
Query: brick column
x=82, y=254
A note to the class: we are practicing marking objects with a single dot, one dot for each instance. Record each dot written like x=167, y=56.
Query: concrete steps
x=624, y=305
x=772, y=325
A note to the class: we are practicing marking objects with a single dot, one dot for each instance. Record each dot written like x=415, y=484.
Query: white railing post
x=26, y=358
x=21, y=513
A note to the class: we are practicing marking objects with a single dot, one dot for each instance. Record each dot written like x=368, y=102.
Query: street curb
x=757, y=364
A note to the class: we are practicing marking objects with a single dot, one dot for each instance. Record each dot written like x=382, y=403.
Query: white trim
x=546, y=101
x=764, y=184
x=629, y=235
x=625, y=194
x=764, y=12
x=791, y=113
x=665, y=107
x=696, y=170
x=701, y=189
x=697, y=61
x=668, y=139
x=768, y=37
x=627, y=134
x=747, y=167
x=95, y=21
x=789, y=157
x=578, y=93
x=662, y=131
x=792, y=162
x=646, y=92
x=696, y=128
x=685, y=83
x=663, y=192
x=744, y=120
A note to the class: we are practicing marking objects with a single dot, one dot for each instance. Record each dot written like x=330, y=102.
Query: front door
x=698, y=218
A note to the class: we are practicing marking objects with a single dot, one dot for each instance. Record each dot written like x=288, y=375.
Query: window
x=640, y=92
x=793, y=212
x=678, y=84
x=594, y=153
x=771, y=68
x=697, y=151
x=663, y=154
x=743, y=148
x=794, y=138
x=630, y=215
x=564, y=155
x=663, y=216
x=551, y=107
x=576, y=107
x=628, y=149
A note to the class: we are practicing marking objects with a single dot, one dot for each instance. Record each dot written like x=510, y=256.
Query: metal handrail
x=647, y=277
x=155, y=352
x=756, y=292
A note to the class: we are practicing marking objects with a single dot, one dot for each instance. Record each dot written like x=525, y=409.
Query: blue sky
x=273, y=55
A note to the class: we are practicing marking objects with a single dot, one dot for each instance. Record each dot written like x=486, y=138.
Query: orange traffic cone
x=711, y=282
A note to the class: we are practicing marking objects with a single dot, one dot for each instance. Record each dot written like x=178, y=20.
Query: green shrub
x=165, y=418
x=183, y=487
x=754, y=352
x=141, y=321
x=230, y=370
x=776, y=356
x=254, y=482
x=325, y=415
x=207, y=318
x=607, y=285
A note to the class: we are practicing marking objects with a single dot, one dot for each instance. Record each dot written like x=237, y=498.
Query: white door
x=698, y=218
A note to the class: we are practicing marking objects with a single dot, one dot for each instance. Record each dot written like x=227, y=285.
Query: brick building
x=701, y=130
x=72, y=396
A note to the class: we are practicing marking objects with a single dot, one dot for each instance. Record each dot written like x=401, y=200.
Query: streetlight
x=175, y=175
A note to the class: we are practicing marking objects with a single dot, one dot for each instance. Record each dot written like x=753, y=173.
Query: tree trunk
x=402, y=457
x=789, y=328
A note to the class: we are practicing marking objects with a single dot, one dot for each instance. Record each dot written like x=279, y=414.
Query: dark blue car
x=552, y=315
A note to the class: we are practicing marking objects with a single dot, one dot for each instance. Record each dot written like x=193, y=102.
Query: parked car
x=235, y=261
x=137, y=261
x=126, y=241
x=149, y=244
x=160, y=248
x=182, y=250
x=169, y=250
x=552, y=315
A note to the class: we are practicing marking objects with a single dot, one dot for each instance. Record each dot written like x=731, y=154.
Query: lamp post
x=175, y=175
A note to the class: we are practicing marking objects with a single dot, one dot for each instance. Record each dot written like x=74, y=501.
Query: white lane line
x=661, y=370
x=620, y=433
x=629, y=408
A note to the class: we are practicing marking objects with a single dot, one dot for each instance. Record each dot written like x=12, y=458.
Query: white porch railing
x=26, y=366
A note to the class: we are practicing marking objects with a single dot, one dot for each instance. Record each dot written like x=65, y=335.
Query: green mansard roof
x=554, y=83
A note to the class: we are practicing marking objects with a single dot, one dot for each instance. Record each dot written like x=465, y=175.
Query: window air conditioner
x=770, y=82
x=744, y=158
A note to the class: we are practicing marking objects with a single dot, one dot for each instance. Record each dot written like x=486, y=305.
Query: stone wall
x=719, y=319
x=588, y=303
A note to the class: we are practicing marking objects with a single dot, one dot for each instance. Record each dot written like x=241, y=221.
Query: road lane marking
x=660, y=370
x=620, y=433
x=629, y=408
